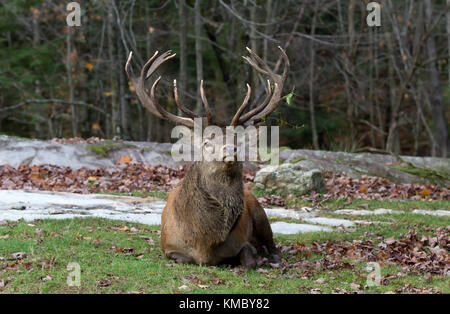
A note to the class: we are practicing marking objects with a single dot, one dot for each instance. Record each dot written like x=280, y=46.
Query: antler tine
x=167, y=115
x=258, y=109
x=205, y=104
x=271, y=102
x=266, y=68
x=150, y=102
x=160, y=60
x=139, y=83
x=287, y=64
x=180, y=106
x=147, y=65
x=238, y=114
x=127, y=65
x=254, y=65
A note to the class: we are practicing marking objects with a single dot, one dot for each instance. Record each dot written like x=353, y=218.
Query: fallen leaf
x=355, y=286
x=184, y=287
x=19, y=255
x=125, y=159
x=321, y=280
x=104, y=283
x=47, y=278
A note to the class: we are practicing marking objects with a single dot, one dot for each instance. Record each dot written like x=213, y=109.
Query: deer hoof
x=180, y=258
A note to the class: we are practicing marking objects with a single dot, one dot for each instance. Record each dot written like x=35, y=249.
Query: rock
x=427, y=170
x=55, y=212
x=20, y=151
x=288, y=178
x=20, y=207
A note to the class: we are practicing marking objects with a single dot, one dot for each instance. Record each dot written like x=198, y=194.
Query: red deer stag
x=209, y=218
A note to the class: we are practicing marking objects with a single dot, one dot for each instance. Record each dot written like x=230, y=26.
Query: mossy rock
x=433, y=175
x=105, y=149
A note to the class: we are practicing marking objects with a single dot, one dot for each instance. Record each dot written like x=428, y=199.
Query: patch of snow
x=31, y=205
x=330, y=221
x=293, y=228
x=287, y=213
x=439, y=213
x=364, y=212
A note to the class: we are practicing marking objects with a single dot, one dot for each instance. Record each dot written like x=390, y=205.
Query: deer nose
x=229, y=150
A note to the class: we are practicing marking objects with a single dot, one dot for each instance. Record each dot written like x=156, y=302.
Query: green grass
x=364, y=204
x=144, y=269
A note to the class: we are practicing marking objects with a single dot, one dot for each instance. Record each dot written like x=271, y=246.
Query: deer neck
x=213, y=198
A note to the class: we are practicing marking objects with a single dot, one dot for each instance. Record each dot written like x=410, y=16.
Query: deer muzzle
x=229, y=153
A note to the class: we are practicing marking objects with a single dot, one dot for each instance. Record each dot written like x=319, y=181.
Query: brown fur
x=209, y=218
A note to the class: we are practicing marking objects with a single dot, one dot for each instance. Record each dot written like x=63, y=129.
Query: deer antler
x=271, y=102
x=150, y=102
x=254, y=116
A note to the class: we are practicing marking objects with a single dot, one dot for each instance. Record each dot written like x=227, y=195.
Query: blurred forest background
x=355, y=88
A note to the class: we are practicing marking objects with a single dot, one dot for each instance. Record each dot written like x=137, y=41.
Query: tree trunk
x=115, y=130
x=70, y=82
x=448, y=43
x=225, y=70
x=183, y=49
x=253, y=42
x=371, y=98
x=392, y=141
x=198, y=52
x=312, y=65
x=122, y=102
x=351, y=52
x=448, y=65
x=440, y=131
x=269, y=6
